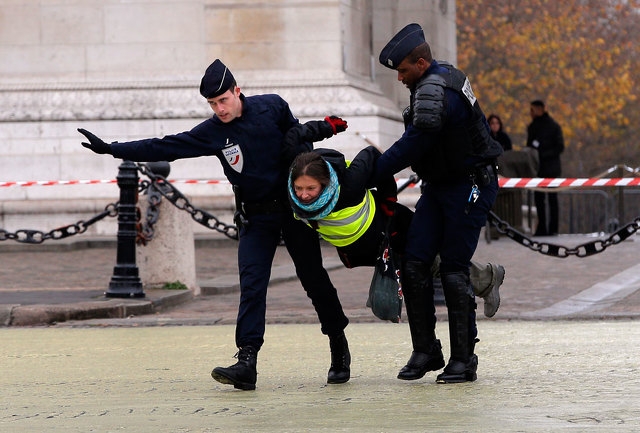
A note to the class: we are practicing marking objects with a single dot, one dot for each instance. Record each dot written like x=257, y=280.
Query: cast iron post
x=125, y=282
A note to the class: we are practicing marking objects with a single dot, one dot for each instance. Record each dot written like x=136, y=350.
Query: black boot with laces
x=340, y=371
x=242, y=374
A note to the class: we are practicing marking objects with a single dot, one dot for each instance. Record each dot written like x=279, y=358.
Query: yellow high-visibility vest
x=347, y=225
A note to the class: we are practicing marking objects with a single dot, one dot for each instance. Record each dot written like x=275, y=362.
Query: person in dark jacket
x=497, y=132
x=545, y=135
x=448, y=144
x=316, y=175
x=246, y=135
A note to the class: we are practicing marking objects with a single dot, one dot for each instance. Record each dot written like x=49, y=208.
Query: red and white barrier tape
x=90, y=182
x=539, y=182
x=506, y=182
x=55, y=182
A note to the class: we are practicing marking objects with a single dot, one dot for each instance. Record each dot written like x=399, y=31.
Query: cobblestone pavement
x=139, y=374
x=536, y=286
x=539, y=376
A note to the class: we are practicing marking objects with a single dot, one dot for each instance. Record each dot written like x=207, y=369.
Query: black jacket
x=504, y=140
x=248, y=147
x=355, y=179
x=358, y=176
x=547, y=134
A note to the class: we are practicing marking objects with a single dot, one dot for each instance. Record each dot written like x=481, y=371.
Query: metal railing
x=586, y=211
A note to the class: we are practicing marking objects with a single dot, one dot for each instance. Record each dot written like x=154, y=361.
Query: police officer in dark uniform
x=246, y=135
x=447, y=142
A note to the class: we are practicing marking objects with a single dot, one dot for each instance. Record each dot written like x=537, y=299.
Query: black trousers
x=257, y=247
x=546, y=226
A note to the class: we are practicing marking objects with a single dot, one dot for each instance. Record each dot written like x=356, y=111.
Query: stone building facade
x=131, y=69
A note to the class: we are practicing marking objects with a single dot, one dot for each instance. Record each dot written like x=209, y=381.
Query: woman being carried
x=336, y=198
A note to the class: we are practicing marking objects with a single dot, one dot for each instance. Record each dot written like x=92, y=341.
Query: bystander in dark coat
x=545, y=135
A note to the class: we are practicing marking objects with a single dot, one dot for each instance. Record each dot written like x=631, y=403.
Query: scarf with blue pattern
x=321, y=206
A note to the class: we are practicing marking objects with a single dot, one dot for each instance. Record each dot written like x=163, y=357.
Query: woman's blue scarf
x=321, y=206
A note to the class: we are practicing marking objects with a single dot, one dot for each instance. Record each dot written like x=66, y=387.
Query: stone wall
x=129, y=70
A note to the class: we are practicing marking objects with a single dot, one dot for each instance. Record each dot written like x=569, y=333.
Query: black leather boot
x=458, y=371
x=417, y=289
x=340, y=370
x=463, y=363
x=242, y=374
x=421, y=362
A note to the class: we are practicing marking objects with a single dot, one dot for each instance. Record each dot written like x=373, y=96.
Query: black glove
x=337, y=124
x=240, y=220
x=95, y=143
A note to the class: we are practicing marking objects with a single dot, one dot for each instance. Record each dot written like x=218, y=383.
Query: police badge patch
x=468, y=92
x=233, y=155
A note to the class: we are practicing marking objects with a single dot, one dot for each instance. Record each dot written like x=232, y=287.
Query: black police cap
x=401, y=45
x=217, y=79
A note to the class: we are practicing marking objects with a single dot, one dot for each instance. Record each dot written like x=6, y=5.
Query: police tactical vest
x=456, y=145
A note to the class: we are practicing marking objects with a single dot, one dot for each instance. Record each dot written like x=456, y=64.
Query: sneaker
x=492, y=300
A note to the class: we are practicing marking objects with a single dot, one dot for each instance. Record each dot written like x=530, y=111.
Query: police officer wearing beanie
x=447, y=143
x=246, y=135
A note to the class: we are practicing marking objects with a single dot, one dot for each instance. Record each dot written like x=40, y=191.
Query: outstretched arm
x=300, y=138
x=197, y=142
x=95, y=143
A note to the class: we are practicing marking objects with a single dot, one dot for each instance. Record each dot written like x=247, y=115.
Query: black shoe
x=458, y=372
x=340, y=371
x=242, y=374
x=420, y=363
x=492, y=299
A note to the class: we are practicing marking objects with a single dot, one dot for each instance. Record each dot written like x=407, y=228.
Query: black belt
x=484, y=173
x=265, y=207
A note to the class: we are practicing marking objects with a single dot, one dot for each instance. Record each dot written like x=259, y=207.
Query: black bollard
x=125, y=281
x=159, y=168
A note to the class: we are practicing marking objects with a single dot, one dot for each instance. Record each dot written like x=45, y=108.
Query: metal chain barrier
x=37, y=237
x=171, y=193
x=146, y=228
x=582, y=250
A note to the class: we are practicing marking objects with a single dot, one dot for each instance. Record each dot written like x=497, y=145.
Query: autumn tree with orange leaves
x=579, y=56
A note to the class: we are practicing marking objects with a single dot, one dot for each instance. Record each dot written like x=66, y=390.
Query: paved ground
x=573, y=376
x=561, y=354
x=61, y=285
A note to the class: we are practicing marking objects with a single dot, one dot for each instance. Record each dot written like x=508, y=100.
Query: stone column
x=131, y=70
x=170, y=255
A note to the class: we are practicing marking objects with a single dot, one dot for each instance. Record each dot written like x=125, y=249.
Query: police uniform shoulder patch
x=233, y=154
x=468, y=91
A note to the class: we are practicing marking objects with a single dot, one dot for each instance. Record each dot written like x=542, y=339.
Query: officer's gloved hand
x=388, y=205
x=337, y=124
x=95, y=143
